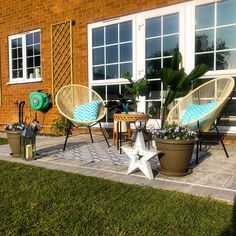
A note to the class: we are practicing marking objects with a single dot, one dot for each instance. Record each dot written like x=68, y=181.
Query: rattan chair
x=69, y=98
x=216, y=92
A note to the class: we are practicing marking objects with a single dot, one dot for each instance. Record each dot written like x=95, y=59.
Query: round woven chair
x=81, y=106
x=215, y=92
x=203, y=107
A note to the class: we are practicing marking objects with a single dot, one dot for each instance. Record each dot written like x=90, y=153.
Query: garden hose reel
x=40, y=101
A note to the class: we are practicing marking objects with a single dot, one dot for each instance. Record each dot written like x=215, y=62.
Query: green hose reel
x=39, y=101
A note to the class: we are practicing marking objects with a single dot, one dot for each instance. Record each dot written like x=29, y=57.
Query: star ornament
x=140, y=157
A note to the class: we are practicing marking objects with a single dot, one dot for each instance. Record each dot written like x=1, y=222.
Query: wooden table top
x=131, y=117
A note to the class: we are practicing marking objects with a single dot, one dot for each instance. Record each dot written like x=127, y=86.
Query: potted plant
x=13, y=132
x=136, y=88
x=176, y=144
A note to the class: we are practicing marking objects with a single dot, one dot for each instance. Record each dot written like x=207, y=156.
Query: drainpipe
x=21, y=114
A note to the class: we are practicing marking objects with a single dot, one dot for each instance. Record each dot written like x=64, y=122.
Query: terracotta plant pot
x=175, y=157
x=13, y=137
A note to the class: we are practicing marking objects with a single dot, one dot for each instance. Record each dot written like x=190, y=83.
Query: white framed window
x=25, y=57
x=215, y=30
x=203, y=30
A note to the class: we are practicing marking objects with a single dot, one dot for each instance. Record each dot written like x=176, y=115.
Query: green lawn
x=3, y=141
x=37, y=201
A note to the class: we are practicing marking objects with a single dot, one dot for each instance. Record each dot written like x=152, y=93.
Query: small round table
x=129, y=118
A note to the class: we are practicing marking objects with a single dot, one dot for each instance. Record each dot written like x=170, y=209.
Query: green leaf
x=197, y=72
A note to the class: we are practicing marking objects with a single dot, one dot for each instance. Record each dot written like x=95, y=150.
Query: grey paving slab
x=214, y=177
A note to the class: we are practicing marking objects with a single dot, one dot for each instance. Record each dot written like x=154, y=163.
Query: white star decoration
x=140, y=157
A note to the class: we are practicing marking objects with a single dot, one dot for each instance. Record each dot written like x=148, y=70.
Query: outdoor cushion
x=194, y=112
x=87, y=111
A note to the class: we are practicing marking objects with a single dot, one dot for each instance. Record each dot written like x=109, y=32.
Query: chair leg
x=221, y=140
x=197, y=153
x=68, y=129
x=104, y=134
x=90, y=133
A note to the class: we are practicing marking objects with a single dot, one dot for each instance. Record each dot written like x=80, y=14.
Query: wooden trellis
x=61, y=36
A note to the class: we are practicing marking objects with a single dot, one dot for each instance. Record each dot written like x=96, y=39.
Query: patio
x=214, y=177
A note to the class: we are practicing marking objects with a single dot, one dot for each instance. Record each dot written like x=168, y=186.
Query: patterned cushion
x=87, y=111
x=194, y=112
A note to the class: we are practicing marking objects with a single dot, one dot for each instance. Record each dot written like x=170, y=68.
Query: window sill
x=25, y=81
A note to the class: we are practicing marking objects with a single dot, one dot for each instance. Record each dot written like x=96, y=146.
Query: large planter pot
x=14, y=141
x=175, y=157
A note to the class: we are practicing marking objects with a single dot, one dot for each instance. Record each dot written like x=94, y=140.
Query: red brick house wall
x=17, y=16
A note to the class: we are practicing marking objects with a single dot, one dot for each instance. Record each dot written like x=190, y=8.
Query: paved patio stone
x=214, y=177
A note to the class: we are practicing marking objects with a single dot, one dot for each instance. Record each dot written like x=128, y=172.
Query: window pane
x=112, y=72
x=231, y=108
x=204, y=41
x=20, y=64
x=29, y=51
x=167, y=62
x=205, y=16
x=36, y=37
x=153, y=48
x=30, y=62
x=169, y=44
x=112, y=34
x=98, y=37
x=112, y=92
x=153, y=27
x=225, y=38
x=19, y=52
x=157, y=107
x=207, y=59
x=153, y=68
x=14, y=74
x=19, y=42
x=37, y=61
x=14, y=64
x=14, y=53
x=100, y=90
x=226, y=60
x=126, y=31
x=226, y=12
x=30, y=73
x=155, y=90
x=111, y=54
x=36, y=49
x=126, y=52
x=14, y=43
x=126, y=67
x=99, y=73
x=171, y=24
x=98, y=56
x=29, y=39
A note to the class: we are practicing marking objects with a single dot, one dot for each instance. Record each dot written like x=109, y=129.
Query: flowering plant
x=20, y=126
x=15, y=126
x=174, y=131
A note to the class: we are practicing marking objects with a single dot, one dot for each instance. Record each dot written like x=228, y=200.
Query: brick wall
x=18, y=16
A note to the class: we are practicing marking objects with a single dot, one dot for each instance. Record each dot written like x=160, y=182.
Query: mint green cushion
x=194, y=112
x=87, y=111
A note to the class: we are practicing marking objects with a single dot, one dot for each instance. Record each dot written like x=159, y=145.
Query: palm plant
x=136, y=88
x=176, y=82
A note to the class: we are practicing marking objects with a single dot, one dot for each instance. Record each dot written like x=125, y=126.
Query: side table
x=129, y=118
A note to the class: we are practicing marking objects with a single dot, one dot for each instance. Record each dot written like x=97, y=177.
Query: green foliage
x=177, y=82
x=137, y=88
x=37, y=201
x=59, y=125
